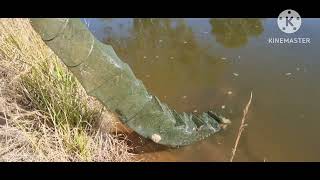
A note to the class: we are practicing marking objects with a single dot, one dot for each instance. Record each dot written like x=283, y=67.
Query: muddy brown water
x=213, y=64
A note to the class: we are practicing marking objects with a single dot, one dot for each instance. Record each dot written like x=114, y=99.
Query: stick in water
x=242, y=126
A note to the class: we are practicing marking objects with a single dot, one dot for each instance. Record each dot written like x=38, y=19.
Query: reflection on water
x=201, y=64
x=233, y=33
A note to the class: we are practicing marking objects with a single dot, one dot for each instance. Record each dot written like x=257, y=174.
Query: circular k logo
x=289, y=21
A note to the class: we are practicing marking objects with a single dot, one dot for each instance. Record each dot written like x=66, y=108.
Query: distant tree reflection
x=233, y=33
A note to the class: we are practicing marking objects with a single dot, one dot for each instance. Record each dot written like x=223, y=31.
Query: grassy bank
x=45, y=115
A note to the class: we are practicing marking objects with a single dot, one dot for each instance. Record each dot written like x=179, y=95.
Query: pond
x=202, y=64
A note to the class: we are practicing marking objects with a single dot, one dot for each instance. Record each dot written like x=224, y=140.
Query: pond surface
x=195, y=65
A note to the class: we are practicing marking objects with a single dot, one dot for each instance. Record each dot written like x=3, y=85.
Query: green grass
x=55, y=92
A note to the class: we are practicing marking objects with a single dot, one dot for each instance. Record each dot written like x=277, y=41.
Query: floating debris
x=205, y=32
x=298, y=69
x=288, y=74
x=229, y=92
x=195, y=111
x=147, y=75
x=157, y=56
x=144, y=57
x=235, y=74
x=223, y=107
x=223, y=58
x=225, y=120
x=160, y=40
x=171, y=57
x=184, y=97
x=185, y=42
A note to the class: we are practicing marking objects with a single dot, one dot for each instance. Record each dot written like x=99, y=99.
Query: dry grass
x=45, y=115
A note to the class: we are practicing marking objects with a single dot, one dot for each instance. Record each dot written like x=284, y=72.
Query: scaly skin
x=111, y=81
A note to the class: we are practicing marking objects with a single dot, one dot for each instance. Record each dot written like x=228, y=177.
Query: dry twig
x=242, y=126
